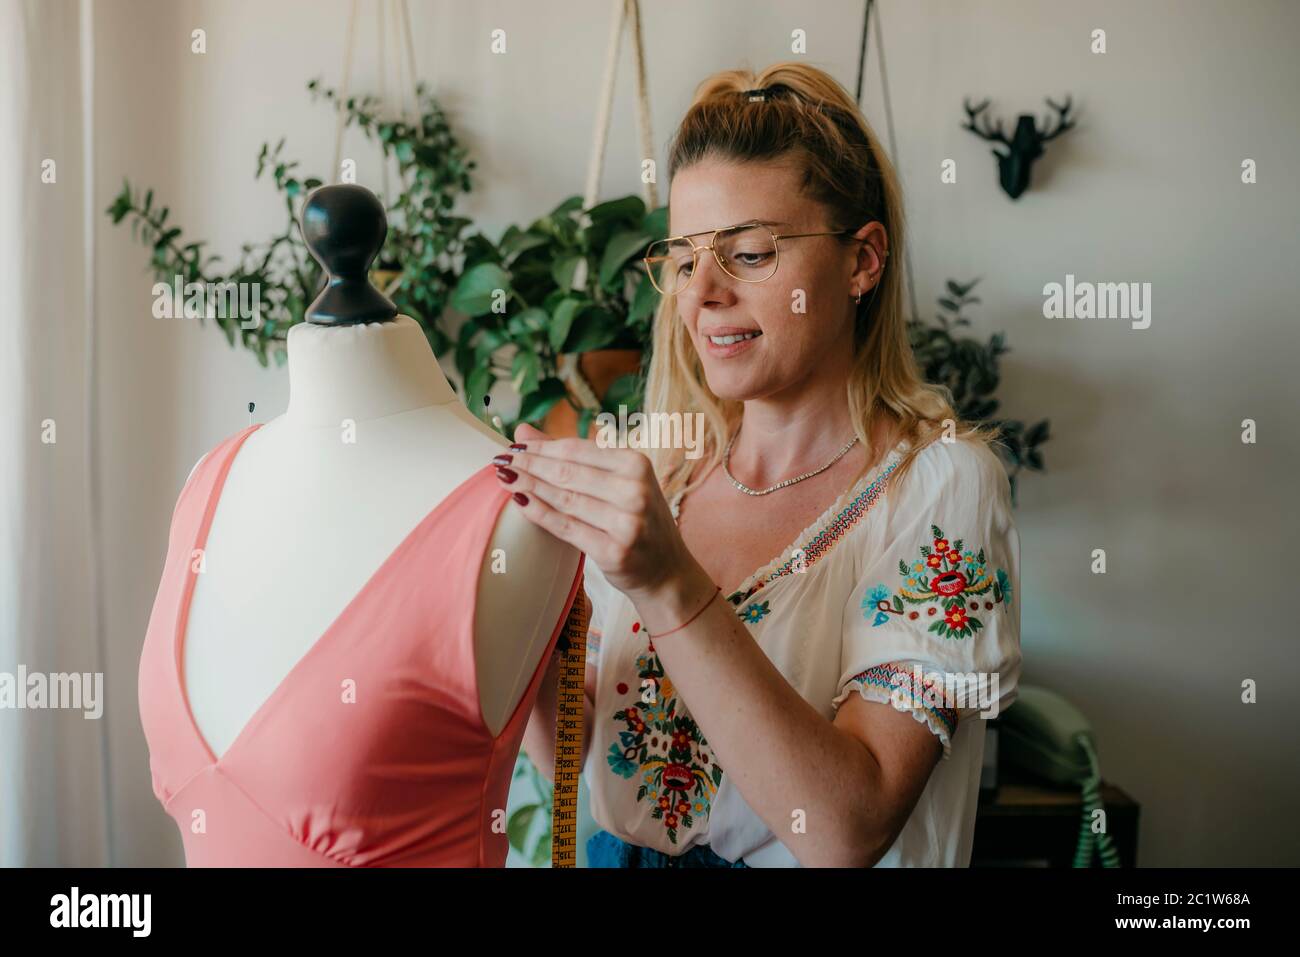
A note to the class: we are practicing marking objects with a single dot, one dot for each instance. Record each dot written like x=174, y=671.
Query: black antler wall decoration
x=1025, y=146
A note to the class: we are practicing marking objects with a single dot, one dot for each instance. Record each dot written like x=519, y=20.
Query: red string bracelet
x=717, y=590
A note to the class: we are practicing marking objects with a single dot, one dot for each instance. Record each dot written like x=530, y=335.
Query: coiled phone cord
x=1088, y=838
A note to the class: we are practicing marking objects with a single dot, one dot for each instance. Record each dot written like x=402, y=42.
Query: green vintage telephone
x=1044, y=734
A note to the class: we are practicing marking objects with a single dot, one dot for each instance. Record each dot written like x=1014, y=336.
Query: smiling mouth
x=730, y=340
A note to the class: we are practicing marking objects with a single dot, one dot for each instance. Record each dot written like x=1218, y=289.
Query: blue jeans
x=606, y=850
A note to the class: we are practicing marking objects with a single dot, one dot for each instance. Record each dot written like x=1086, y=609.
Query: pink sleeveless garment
x=407, y=774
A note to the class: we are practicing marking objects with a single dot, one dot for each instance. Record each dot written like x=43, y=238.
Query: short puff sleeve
x=933, y=624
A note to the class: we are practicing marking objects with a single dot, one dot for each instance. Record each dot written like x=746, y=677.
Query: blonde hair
x=808, y=118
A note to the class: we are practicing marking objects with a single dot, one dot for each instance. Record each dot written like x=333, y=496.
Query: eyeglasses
x=747, y=252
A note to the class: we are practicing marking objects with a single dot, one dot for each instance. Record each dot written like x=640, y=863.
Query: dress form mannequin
x=374, y=438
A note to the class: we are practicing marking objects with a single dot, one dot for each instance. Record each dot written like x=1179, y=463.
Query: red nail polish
x=503, y=460
x=506, y=475
x=519, y=447
x=521, y=498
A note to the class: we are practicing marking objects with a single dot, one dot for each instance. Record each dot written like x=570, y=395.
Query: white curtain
x=54, y=763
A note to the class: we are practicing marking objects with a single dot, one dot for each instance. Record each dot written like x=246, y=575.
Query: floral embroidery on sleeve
x=662, y=743
x=945, y=584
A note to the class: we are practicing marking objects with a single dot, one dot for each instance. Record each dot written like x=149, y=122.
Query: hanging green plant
x=417, y=266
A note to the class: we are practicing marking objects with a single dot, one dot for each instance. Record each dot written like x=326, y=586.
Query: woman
x=752, y=712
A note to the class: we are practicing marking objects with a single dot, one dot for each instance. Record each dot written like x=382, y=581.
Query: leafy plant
x=969, y=369
x=524, y=312
x=520, y=826
x=424, y=238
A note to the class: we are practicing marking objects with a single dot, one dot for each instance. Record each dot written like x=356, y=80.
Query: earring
x=859, y=299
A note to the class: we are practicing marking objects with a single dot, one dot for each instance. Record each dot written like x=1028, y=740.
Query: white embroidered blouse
x=908, y=595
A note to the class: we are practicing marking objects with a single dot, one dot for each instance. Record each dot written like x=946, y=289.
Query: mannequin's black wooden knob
x=344, y=226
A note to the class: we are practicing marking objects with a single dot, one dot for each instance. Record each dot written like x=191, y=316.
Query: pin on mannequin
x=374, y=438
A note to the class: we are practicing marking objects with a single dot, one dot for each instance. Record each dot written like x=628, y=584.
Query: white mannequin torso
x=305, y=519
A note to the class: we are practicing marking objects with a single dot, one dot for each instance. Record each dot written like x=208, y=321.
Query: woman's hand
x=606, y=503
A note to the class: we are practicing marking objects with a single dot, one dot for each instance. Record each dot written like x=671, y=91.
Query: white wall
x=1146, y=462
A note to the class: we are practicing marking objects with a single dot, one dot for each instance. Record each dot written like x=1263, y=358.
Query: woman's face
x=803, y=314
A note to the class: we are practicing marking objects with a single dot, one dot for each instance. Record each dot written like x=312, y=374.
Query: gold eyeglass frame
x=712, y=246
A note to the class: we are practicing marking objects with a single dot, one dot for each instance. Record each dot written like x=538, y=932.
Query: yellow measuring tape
x=568, y=733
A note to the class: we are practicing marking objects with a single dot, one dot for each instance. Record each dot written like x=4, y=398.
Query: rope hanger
x=889, y=117
x=624, y=11
x=404, y=75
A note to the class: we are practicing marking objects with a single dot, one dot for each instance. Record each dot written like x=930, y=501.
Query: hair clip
x=760, y=95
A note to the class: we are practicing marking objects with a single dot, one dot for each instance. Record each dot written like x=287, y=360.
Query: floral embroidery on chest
x=661, y=744
x=947, y=583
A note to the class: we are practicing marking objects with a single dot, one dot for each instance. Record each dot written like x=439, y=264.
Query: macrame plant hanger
x=405, y=74
x=629, y=12
x=573, y=643
x=889, y=117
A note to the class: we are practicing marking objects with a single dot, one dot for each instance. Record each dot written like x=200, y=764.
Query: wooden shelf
x=1025, y=823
